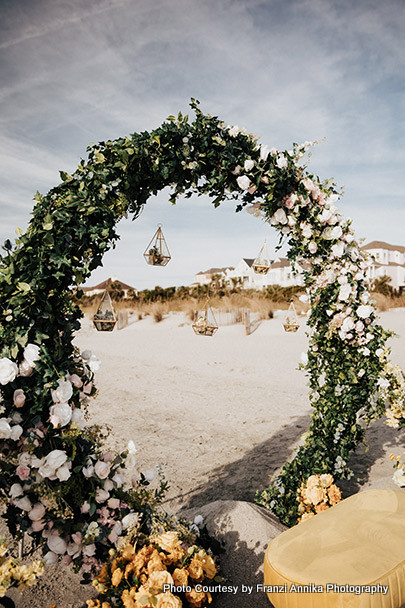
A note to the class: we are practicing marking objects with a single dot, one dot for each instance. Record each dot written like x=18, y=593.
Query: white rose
x=88, y=471
x=129, y=520
x=37, y=512
x=332, y=233
x=348, y=324
x=94, y=363
x=325, y=215
x=16, y=490
x=23, y=503
x=243, y=182
x=102, y=469
x=5, y=429
x=50, y=558
x=89, y=550
x=281, y=162
x=25, y=369
x=399, y=478
x=233, y=131
x=313, y=247
x=61, y=414
x=31, y=354
x=344, y=292
x=306, y=231
x=78, y=418
x=56, y=459
x=16, y=432
x=74, y=550
x=264, y=152
x=279, y=217
x=57, y=544
x=102, y=495
x=63, y=393
x=364, y=311
x=8, y=371
x=63, y=473
x=249, y=164
x=338, y=250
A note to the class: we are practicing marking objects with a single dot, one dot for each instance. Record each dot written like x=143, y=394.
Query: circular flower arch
x=59, y=482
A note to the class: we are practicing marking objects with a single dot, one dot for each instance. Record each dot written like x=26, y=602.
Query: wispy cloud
x=77, y=72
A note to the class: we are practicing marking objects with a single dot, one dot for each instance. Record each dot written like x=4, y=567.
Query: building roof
x=383, y=245
x=281, y=263
x=215, y=270
x=249, y=261
x=107, y=283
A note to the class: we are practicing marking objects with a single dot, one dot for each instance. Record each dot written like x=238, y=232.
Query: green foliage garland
x=58, y=481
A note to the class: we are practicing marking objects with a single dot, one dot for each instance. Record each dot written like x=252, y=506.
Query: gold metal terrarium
x=105, y=317
x=206, y=324
x=261, y=263
x=157, y=252
x=291, y=323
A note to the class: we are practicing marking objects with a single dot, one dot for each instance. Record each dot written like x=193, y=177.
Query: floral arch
x=54, y=471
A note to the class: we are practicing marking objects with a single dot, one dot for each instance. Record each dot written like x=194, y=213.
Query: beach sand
x=221, y=413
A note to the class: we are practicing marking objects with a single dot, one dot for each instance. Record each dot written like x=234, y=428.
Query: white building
x=280, y=273
x=388, y=260
x=205, y=276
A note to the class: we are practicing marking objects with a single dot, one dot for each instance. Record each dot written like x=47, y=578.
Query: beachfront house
x=280, y=273
x=101, y=287
x=387, y=260
x=206, y=276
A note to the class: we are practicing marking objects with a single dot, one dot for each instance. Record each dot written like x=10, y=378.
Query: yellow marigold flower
x=180, y=576
x=334, y=494
x=127, y=600
x=195, y=569
x=116, y=577
x=167, y=541
x=158, y=578
x=195, y=598
x=208, y=565
x=168, y=600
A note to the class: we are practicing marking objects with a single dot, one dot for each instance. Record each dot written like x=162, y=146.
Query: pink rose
x=23, y=472
x=102, y=469
x=37, y=526
x=87, y=388
x=37, y=512
x=85, y=508
x=76, y=380
x=102, y=495
x=113, y=537
x=25, y=369
x=108, y=457
x=66, y=559
x=19, y=397
x=113, y=503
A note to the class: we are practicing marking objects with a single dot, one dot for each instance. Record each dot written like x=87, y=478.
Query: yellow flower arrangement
x=12, y=574
x=163, y=573
x=318, y=494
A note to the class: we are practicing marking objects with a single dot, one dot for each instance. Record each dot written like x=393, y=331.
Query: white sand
x=221, y=413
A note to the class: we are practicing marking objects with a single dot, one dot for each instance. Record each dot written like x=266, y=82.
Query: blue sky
x=80, y=71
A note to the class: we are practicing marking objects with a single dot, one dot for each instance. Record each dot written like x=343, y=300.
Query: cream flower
x=61, y=414
x=63, y=393
x=279, y=217
x=5, y=429
x=18, y=397
x=57, y=544
x=249, y=164
x=102, y=469
x=243, y=182
x=8, y=371
x=31, y=354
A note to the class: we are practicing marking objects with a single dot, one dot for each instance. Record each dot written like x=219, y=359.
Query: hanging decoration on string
x=157, y=252
x=291, y=322
x=105, y=317
x=206, y=323
x=261, y=263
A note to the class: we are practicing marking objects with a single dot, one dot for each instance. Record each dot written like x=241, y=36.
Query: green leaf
x=25, y=287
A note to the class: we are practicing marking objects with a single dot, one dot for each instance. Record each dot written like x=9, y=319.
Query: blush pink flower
x=23, y=472
x=19, y=397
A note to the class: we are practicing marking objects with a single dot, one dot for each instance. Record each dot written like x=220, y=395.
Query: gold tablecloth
x=346, y=556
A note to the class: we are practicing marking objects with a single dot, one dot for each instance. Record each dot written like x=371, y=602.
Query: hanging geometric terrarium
x=261, y=263
x=157, y=252
x=105, y=317
x=206, y=323
x=291, y=322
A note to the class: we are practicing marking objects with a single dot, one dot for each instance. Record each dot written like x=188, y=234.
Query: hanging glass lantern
x=291, y=322
x=206, y=324
x=105, y=317
x=261, y=263
x=157, y=252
